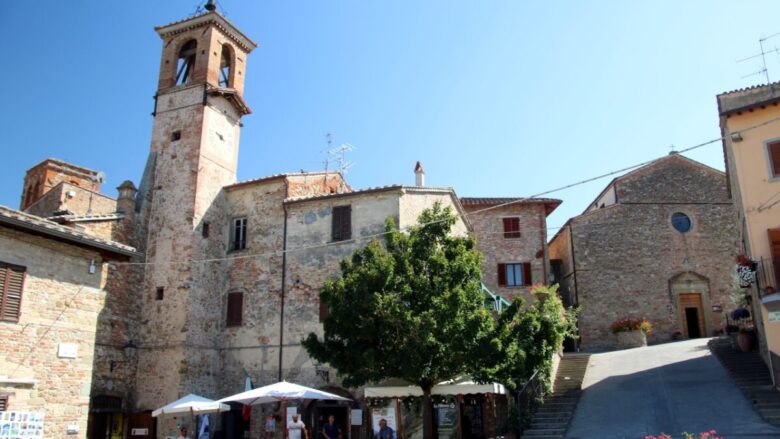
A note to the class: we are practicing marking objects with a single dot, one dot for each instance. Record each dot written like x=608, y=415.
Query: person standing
x=183, y=433
x=331, y=430
x=385, y=432
x=295, y=428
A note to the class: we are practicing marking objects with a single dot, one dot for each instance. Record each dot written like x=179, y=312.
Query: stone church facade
x=659, y=243
x=218, y=280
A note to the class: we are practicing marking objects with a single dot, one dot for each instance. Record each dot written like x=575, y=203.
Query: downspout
x=284, y=283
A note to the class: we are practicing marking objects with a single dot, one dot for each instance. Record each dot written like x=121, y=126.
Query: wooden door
x=774, y=246
x=692, y=301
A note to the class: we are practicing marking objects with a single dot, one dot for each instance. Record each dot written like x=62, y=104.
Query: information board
x=21, y=425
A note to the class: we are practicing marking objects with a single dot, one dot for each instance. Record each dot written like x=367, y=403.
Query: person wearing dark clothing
x=385, y=432
x=331, y=430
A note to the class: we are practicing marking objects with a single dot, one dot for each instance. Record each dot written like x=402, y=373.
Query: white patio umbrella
x=280, y=391
x=192, y=404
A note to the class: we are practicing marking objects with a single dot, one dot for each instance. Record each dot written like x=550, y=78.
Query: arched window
x=225, y=67
x=186, y=62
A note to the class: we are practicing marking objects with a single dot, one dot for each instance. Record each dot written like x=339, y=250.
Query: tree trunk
x=427, y=410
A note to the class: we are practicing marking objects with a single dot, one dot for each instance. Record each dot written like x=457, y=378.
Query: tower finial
x=211, y=5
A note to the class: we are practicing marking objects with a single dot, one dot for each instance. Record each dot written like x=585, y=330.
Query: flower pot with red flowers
x=631, y=333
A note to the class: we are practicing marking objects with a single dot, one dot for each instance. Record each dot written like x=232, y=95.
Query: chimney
x=126, y=200
x=419, y=175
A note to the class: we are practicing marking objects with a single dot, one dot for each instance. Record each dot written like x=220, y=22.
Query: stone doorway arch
x=690, y=294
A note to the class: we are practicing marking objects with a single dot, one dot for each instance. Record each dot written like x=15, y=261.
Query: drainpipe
x=284, y=283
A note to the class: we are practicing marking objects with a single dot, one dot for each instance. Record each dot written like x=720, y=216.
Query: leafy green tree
x=525, y=339
x=411, y=309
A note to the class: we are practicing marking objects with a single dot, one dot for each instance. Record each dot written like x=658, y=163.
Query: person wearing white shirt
x=183, y=434
x=295, y=428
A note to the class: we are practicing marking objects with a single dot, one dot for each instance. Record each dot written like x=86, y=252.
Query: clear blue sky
x=498, y=98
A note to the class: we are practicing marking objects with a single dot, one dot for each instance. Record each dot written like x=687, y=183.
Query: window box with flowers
x=631, y=333
x=746, y=271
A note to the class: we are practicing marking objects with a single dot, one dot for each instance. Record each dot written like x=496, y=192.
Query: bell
x=211, y=5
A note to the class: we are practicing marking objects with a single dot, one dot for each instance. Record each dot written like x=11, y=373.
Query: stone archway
x=690, y=294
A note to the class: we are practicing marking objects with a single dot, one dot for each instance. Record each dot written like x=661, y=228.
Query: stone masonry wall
x=560, y=249
x=631, y=262
x=61, y=303
x=530, y=247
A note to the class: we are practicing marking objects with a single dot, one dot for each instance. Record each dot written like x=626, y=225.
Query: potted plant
x=746, y=339
x=631, y=333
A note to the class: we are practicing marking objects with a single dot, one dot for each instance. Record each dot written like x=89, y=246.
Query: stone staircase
x=551, y=419
x=751, y=375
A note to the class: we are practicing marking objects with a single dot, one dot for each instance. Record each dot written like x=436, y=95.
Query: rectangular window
x=238, y=234
x=205, y=229
x=514, y=275
x=235, y=309
x=11, y=287
x=342, y=223
x=773, y=153
x=511, y=227
x=324, y=310
x=160, y=293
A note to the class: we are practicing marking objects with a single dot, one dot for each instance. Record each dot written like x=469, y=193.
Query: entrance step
x=751, y=375
x=553, y=416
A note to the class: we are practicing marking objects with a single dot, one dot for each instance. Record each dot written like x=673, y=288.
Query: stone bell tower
x=194, y=151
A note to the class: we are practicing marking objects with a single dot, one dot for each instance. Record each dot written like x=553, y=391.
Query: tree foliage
x=411, y=309
x=525, y=339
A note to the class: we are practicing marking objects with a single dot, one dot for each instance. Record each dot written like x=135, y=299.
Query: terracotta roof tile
x=15, y=217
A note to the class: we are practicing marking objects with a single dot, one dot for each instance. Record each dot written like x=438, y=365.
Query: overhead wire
x=475, y=212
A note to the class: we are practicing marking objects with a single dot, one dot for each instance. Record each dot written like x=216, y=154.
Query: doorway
x=320, y=412
x=692, y=315
x=692, y=322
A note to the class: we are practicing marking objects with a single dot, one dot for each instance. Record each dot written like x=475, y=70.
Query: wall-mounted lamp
x=736, y=137
x=129, y=350
x=92, y=266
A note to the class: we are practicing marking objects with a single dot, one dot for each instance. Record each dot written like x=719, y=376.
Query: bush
x=626, y=324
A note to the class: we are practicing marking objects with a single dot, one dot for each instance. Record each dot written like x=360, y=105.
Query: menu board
x=21, y=425
x=386, y=413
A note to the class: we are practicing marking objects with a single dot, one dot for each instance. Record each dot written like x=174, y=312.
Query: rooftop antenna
x=763, y=54
x=337, y=155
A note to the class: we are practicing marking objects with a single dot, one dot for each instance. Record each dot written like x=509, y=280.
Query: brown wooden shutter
x=774, y=157
x=342, y=223
x=235, y=309
x=774, y=245
x=335, y=230
x=526, y=273
x=324, y=310
x=511, y=227
x=3, y=402
x=502, y=275
x=11, y=286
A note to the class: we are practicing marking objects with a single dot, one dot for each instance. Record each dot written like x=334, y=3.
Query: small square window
x=511, y=227
x=238, y=234
x=176, y=136
x=204, y=229
x=160, y=293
